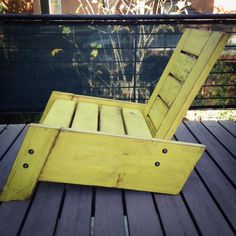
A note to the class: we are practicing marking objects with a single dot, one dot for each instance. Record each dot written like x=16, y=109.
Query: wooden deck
x=206, y=205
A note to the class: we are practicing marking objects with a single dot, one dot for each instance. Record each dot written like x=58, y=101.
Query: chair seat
x=87, y=116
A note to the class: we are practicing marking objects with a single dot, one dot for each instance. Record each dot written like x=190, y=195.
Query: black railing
x=117, y=56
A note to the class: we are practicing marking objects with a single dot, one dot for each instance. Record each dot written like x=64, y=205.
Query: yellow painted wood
x=120, y=161
x=166, y=72
x=182, y=66
x=196, y=41
x=157, y=113
x=61, y=113
x=109, y=102
x=86, y=117
x=54, y=95
x=21, y=181
x=111, y=120
x=135, y=123
x=192, y=84
x=170, y=90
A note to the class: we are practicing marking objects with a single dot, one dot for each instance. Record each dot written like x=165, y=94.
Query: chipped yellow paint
x=110, y=142
x=120, y=161
x=29, y=163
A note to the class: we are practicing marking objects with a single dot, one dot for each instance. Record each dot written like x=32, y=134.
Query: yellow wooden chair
x=102, y=142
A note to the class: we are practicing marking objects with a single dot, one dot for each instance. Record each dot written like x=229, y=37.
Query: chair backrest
x=186, y=71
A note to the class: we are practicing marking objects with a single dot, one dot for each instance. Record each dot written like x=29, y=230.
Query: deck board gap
x=12, y=143
x=60, y=209
x=190, y=214
x=222, y=144
x=158, y=213
x=214, y=200
x=226, y=129
x=212, y=159
x=2, y=128
x=31, y=201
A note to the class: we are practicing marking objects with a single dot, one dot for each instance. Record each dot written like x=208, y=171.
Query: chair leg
x=29, y=163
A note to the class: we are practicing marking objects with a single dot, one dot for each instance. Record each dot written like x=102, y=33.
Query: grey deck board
x=42, y=216
x=174, y=215
x=75, y=218
x=109, y=216
x=8, y=136
x=206, y=205
x=218, y=185
x=229, y=125
x=221, y=134
x=217, y=152
x=142, y=216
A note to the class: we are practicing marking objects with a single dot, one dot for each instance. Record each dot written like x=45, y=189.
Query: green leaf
x=55, y=51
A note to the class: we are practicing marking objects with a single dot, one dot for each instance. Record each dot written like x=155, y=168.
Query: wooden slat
x=54, y=96
x=214, y=148
x=76, y=211
x=196, y=41
x=135, y=123
x=8, y=136
x=86, y=117
x=174, y=215
x=222, y=135
x=219, y=186
x=60, y=114
x=111, y=120
x=170, y=90
x=109, y=218
x=229, y=125
x=157, y=113
x=42, y=216
x=182, y=66
x=142, y=217
x=208, y=217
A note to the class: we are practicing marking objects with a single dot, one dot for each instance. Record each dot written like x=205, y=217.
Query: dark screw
x=26, y=165
x=157, y=163
x=31, y=151
x=164, y=150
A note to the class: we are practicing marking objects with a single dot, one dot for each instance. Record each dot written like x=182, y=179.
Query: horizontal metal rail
x=120, y=19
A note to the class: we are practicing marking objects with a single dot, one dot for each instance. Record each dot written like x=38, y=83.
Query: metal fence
x=119, y=57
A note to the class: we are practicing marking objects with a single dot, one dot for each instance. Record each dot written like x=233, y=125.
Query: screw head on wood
x=157, y=163
x=25, y=165
x=31, y=151
x=164, y=150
